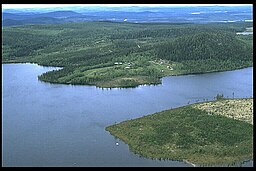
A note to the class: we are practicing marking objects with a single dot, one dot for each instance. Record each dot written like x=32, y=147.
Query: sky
x=14, y=6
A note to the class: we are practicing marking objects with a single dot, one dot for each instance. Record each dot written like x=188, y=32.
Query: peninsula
x=204, y=134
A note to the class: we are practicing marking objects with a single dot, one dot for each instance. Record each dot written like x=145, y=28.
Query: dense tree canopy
x=206, y=45
x=144, y=52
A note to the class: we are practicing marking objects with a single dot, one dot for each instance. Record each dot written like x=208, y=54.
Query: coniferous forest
x=112, y=54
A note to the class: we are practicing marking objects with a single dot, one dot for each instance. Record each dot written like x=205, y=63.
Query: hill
x=112, y=54
x=10, y=19
x=207, y=45
x=141, y=14
x=211, y=51
x=36, y=20
x=57, y=14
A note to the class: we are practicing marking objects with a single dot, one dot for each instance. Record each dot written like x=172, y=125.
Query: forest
x=113, y=54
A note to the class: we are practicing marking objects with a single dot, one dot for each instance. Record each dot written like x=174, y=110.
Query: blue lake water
x=63, y=125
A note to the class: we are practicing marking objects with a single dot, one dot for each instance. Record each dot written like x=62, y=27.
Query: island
x=203, y=134
x=120, y=54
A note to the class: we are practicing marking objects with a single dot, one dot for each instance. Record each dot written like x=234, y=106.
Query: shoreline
x=205, y=142
x=120, y=87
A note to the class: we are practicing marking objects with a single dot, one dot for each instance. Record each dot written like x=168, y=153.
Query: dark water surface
x=63, y=125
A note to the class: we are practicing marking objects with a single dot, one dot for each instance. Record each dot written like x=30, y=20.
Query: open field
x=240, y=109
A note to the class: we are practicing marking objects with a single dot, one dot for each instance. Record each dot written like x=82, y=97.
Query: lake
x=64, y=125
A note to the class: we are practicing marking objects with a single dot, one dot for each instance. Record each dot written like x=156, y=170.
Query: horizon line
x=26, y=6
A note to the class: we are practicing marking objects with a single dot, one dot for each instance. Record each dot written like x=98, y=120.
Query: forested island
x=112, y=54
x=203, y=134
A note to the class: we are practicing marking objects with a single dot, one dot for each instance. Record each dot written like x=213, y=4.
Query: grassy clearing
x=130, y=73
x=189, y=134
x=240, y=109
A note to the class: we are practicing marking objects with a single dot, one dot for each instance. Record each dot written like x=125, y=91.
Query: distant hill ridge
x=10, y=19
x=7, y=15
x=131, y=14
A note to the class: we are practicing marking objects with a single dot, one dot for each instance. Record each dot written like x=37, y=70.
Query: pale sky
x=9, y=6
